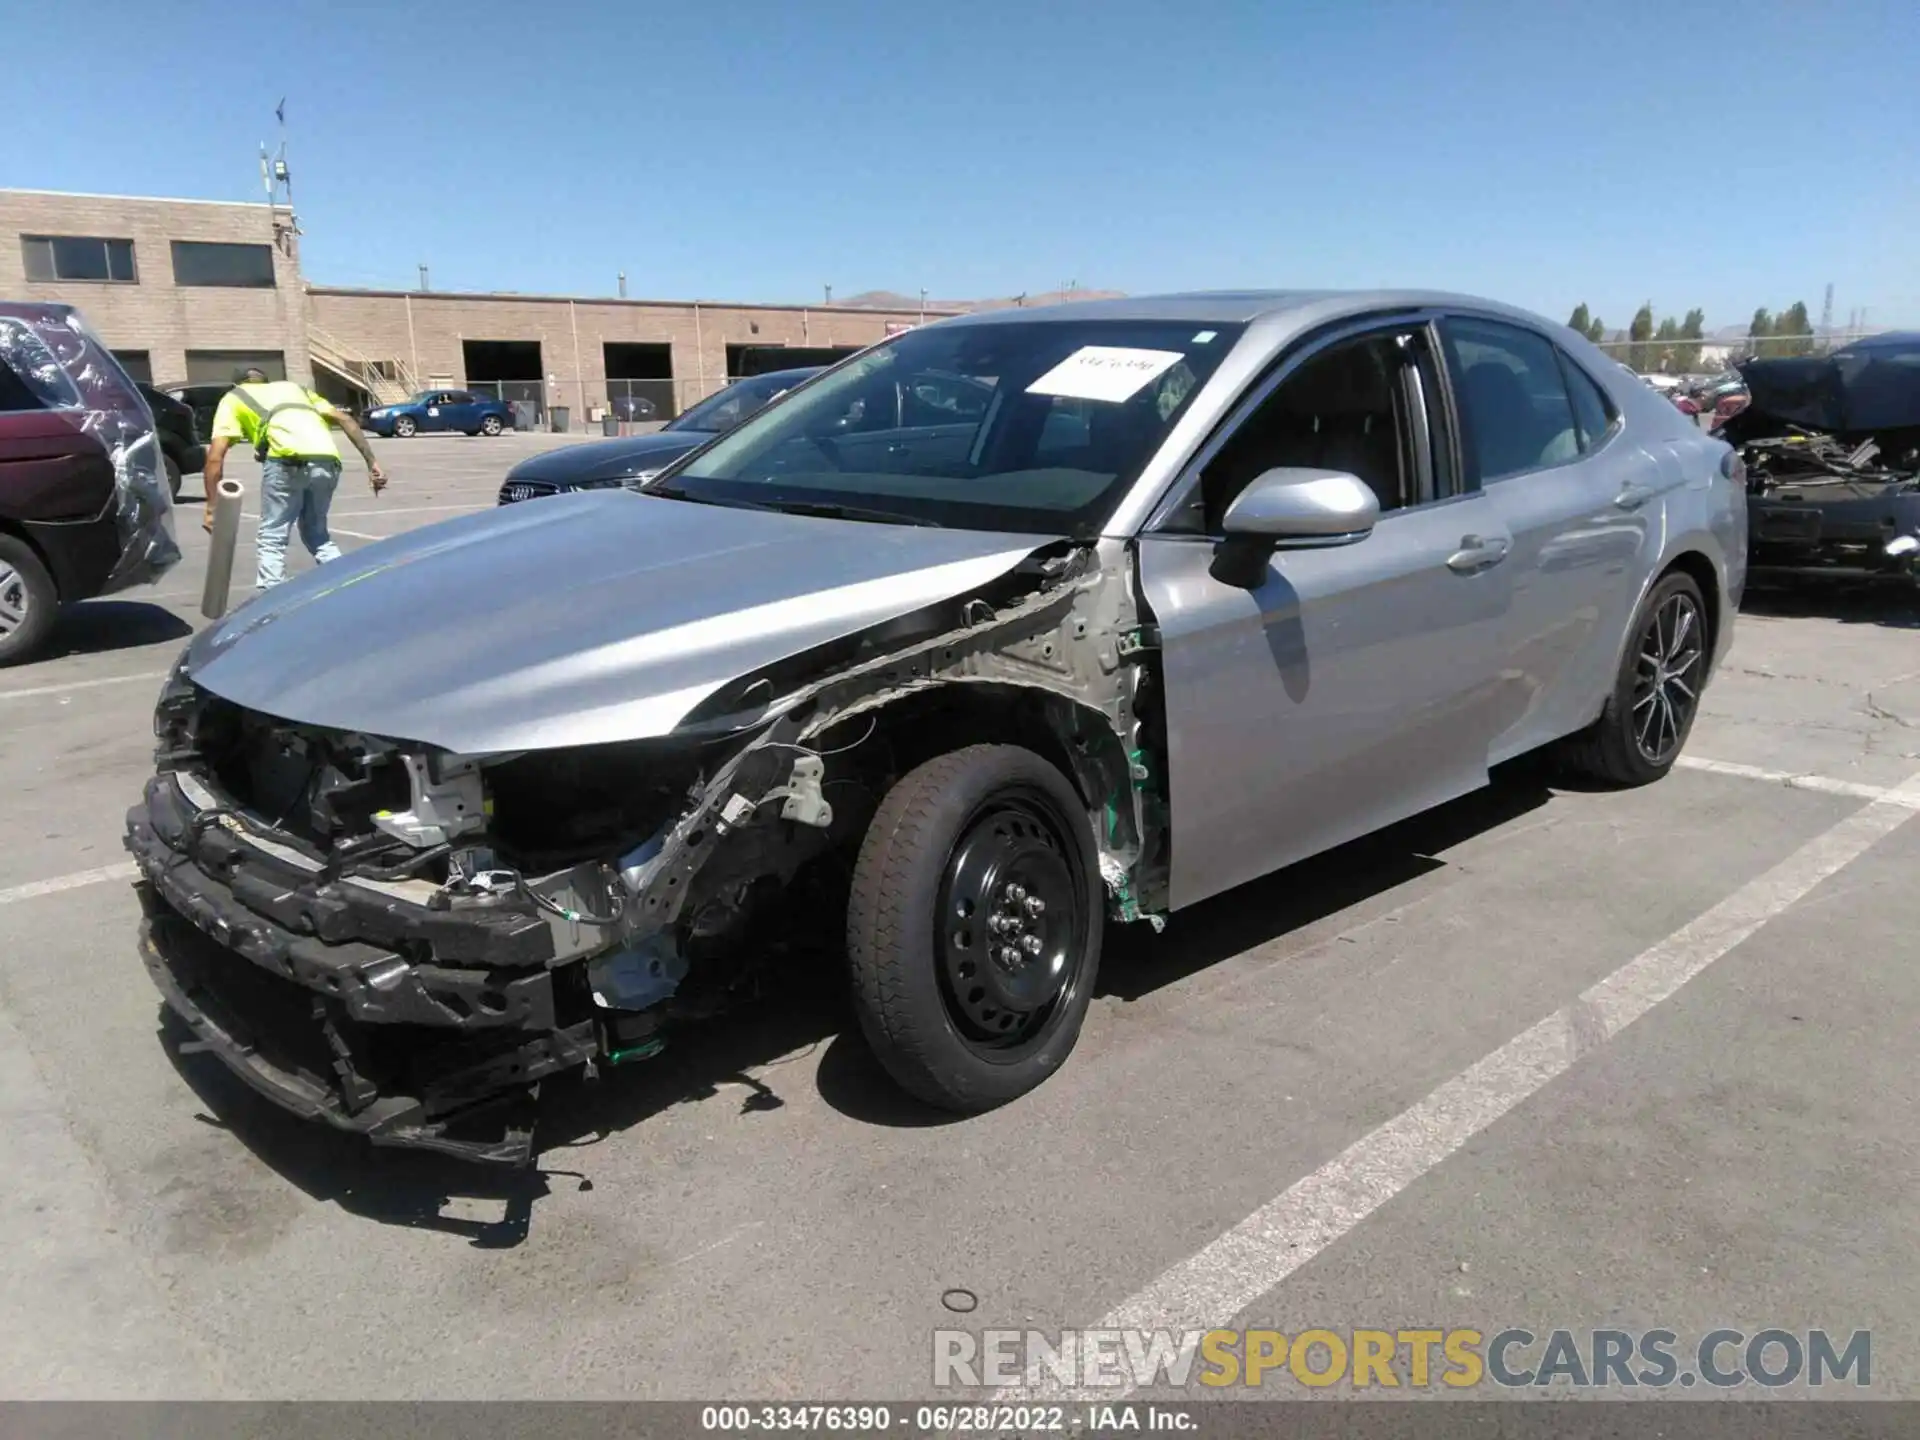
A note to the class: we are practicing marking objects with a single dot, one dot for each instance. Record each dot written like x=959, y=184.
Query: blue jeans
x=295, y=491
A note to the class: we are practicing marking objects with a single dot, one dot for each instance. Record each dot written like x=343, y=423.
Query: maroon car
x=84, y=503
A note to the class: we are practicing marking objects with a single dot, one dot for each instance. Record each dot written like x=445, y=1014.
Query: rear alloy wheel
x=404, y=426
x=491, y=425
x=1656, y=693
x=28, y=601
x=974, y=926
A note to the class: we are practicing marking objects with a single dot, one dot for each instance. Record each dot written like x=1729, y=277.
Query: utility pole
x=1826, y=312
x=423, y=277
x=923, y=304
x=829, y=290
x=623, y=284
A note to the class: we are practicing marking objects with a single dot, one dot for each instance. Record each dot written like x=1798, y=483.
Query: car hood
x=583, y=619
x=608, y=459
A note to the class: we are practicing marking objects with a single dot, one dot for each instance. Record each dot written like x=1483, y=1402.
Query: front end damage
x=404, y=943
x=1819, y=508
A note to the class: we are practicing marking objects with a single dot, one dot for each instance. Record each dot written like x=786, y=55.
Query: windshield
x=1034, y=426
x=735, y=403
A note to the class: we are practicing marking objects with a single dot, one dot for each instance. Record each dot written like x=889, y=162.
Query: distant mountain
x=893, y=300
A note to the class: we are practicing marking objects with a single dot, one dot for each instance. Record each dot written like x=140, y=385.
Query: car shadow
x=752, y=1059
x=98, y=627
x=1138, y=961
x=1889, y=603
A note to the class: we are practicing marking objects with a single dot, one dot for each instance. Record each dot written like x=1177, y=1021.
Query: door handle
x=1632, y=497
x=1477, y=553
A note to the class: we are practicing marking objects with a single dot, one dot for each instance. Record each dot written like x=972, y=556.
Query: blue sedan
x=442, y=410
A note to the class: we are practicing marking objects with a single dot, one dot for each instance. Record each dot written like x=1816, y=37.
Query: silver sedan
x=1010, y=628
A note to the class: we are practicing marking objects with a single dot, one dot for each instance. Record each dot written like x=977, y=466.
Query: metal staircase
x=387, y=382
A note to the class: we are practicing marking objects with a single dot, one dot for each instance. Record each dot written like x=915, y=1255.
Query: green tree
x=1583, y=323
x=1665, y=342
x=1692, y=330
x=1796, y=329
x=1640, y=332
x=1760, y=331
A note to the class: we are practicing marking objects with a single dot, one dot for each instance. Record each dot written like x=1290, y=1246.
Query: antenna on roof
x=278, y=181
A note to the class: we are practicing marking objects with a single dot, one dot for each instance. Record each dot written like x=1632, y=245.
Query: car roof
x=798, y=373
x=1234, y=306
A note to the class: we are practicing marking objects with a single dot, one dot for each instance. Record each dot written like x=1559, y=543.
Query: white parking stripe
x=81, y=685
x=408, y=510
x=1232, y=1272
x=80, y=878
x=1792, y=780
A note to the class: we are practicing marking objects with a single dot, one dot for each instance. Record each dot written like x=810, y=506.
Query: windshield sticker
x=1105, y=372
x=1205, y=337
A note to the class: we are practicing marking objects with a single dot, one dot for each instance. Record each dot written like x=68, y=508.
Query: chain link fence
x=1707, y=355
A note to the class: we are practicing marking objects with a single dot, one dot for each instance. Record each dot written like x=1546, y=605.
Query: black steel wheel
x=974, y=926
x=1656, y=692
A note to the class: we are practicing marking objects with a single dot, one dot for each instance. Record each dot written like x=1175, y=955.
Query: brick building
x=178, y=289
x=190, y=289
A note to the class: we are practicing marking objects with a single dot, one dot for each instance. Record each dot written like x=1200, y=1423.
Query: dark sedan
x=605, y=464
x=177, y=427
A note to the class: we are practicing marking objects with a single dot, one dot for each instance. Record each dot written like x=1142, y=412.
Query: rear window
x=30, y=377
x=1514, y=398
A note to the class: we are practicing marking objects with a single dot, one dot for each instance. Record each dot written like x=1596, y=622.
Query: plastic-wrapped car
x=85, y=508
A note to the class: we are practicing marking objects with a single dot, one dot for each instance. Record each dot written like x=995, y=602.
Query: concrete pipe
x=226, y=534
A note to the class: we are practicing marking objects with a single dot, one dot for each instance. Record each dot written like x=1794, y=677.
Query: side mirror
x=1292, y=508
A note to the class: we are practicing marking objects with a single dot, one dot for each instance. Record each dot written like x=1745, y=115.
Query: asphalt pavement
x=1545, y=1057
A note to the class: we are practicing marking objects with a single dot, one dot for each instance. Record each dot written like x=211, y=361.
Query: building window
x=223, y=367
x=137, y=363
x=208, y=262
x=78, y=257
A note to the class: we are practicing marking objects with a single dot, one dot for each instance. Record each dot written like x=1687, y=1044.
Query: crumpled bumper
x=1844, y=537
x=343, y=1003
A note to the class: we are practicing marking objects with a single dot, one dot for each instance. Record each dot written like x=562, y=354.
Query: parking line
x=1793, y=780
x=409, y=510
x=78, y=880
x=81, y=685
x=1226, y=1276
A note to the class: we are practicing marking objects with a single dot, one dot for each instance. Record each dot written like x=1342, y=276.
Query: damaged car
x=1202, y=585
x=1831, y=446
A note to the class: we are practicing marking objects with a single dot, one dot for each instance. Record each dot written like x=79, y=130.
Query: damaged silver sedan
x=1015, y=626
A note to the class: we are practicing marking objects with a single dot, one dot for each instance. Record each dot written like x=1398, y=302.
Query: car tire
x=988, y=841
x=404, y=426
x=173, y=475
x=29, y=602
x=1655, y=694
x=491, y=426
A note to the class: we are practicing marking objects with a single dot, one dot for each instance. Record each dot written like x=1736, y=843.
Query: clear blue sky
x=1544, y=152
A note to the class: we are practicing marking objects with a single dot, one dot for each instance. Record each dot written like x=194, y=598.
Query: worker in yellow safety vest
x=291, y=431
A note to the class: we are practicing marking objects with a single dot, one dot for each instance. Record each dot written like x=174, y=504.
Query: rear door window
x=1592, y=411
x=1515, y=411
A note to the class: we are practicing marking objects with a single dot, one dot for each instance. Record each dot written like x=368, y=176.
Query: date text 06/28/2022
x=964, y=1418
